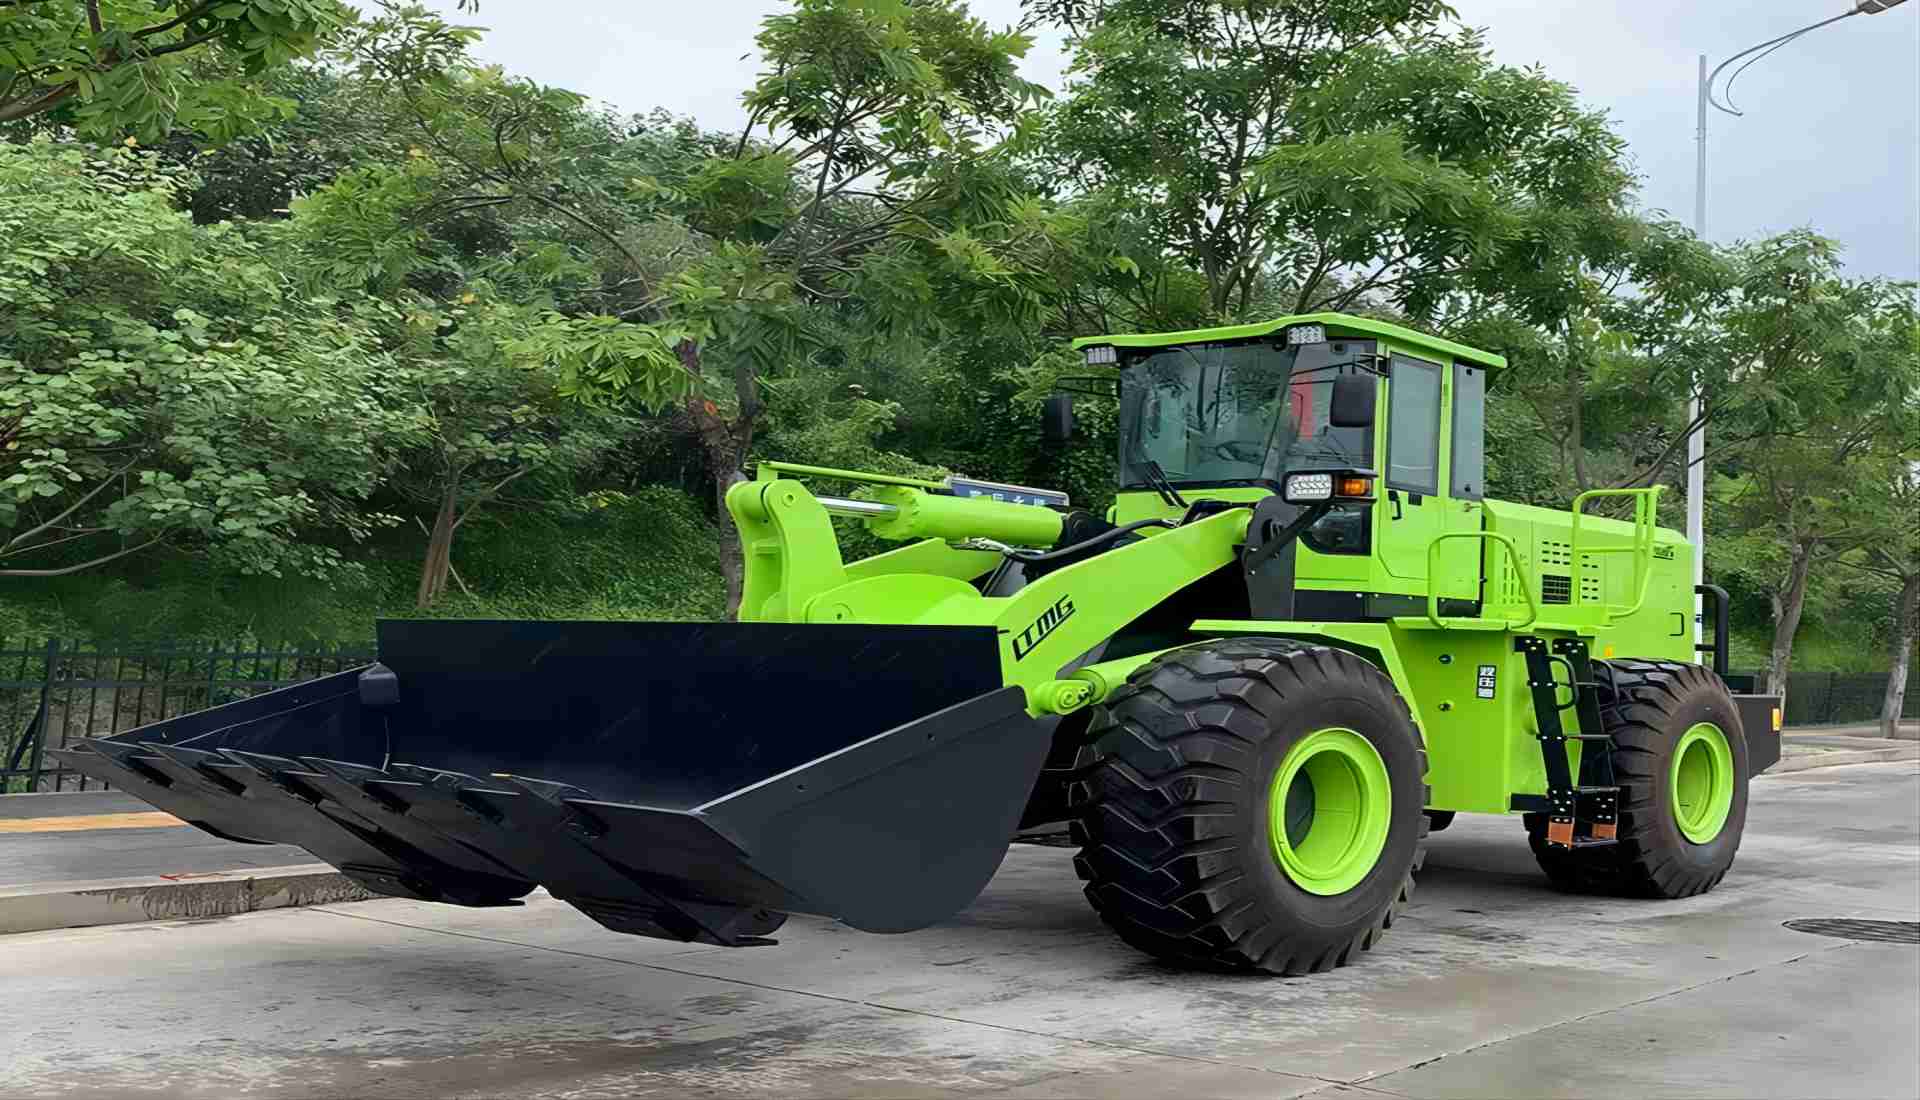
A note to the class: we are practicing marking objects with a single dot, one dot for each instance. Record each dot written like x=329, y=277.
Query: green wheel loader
x=1301, y=637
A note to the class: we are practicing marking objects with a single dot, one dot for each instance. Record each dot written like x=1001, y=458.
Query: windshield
x=1221, y=414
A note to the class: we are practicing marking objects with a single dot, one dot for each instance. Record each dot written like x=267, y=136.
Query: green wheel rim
x=1329, y=809
x=1701, y=781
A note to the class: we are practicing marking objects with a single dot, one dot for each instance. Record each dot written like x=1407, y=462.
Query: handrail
x=1716, y=596
x=1513, y=556
x=1645, y=506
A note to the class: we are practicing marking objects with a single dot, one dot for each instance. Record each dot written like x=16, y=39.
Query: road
x=1490, y=986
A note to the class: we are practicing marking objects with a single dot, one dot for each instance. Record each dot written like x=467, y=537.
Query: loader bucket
x=689, y=781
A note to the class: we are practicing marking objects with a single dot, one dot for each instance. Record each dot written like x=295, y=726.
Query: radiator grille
x=1556, y=588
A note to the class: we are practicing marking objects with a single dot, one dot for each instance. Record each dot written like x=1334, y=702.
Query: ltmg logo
x=1037, y=631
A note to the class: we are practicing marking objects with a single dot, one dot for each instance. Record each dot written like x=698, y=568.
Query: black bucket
x=690, y=781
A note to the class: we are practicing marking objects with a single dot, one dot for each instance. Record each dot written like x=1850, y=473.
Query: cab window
x=1413, y=426
x=1469, y=432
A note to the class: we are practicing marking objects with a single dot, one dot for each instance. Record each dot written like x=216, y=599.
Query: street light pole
x=1697, y=436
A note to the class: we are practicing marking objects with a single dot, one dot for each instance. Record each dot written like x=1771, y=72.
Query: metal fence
x=1825, y=698
x=56, y=692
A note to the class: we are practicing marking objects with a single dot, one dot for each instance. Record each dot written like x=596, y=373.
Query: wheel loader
x=1301, y=637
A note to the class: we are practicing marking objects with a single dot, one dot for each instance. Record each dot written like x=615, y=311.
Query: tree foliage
x=163, y=383
x=108, y=67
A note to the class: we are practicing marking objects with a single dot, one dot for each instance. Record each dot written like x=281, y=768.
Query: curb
x=41, y=907
x=1800, y=762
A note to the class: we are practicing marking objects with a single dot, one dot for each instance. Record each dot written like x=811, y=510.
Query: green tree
x=1299, y=154
x=1831, y=371
x=1893, y=557
x=870, y=139
x=108, y=67
x=1605, y=331
x=163, y=384
x=334, y=124
x=493, y=421
x=473, y=339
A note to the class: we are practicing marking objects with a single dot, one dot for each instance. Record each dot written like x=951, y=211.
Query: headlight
x=1102, y=355
x=1307, y=334
x=1307, y=488
x=1313, y=487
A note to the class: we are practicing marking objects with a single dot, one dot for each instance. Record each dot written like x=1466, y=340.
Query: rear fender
x=1374, y=641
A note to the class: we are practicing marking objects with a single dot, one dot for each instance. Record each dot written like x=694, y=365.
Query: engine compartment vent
x=1556, y=588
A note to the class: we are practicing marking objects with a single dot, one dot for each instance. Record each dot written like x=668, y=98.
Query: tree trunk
x=1788, y=602
x=1906, y=622
x=732, y=565
x=439, y=559
x=725, y=444
x=1576, y=429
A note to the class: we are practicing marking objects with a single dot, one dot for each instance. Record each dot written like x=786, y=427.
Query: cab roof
x=1338, y=324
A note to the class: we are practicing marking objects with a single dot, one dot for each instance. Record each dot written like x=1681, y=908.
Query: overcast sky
x=1830, y=138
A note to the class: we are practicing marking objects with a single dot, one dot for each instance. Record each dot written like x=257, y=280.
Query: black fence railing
x=56, y=692
x=1827, y=698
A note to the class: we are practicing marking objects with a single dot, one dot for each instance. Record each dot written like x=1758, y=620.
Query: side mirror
x=1056, y=418
x=1352, y=404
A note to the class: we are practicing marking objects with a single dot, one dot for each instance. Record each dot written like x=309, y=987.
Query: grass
x=1816, y=649
x=648, y=555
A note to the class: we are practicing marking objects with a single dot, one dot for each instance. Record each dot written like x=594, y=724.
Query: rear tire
x=1680, y=757
x=1191, y=850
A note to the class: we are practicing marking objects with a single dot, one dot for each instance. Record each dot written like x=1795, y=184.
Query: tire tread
x=1640, y=703
x=1156, y=821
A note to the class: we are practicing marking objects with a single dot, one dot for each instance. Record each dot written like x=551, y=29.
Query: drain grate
x=1872, y=931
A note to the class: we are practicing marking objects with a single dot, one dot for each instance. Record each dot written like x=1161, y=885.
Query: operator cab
x=1252, y=412
x=1244, y=415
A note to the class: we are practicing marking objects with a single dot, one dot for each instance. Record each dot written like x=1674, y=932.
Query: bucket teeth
x=542, y=789
x=431, y=834
x=208, y=771
x=277, y=772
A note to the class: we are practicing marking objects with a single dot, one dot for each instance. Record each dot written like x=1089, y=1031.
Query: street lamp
x=1697, y=438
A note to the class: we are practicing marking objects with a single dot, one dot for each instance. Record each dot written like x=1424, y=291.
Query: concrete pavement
x=82, y=858
x=1490, y=986
x=93, y=841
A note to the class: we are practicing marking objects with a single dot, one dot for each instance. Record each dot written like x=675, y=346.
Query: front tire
x=1682, y=763
x=1251, y=804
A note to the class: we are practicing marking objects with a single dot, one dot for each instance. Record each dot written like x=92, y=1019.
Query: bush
x=649, y=554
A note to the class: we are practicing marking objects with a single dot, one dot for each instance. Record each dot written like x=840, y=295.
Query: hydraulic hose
x=1100, y=539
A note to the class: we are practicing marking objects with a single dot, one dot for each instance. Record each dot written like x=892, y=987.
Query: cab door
x=1466, y=460
x=1411, y=511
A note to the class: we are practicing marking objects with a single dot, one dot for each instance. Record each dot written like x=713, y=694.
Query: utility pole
x=1697, y=437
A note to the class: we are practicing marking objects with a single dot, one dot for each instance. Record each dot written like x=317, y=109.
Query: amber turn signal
x=1354, y=487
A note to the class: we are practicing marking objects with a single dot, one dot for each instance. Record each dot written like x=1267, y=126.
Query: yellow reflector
x=1776, y=719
